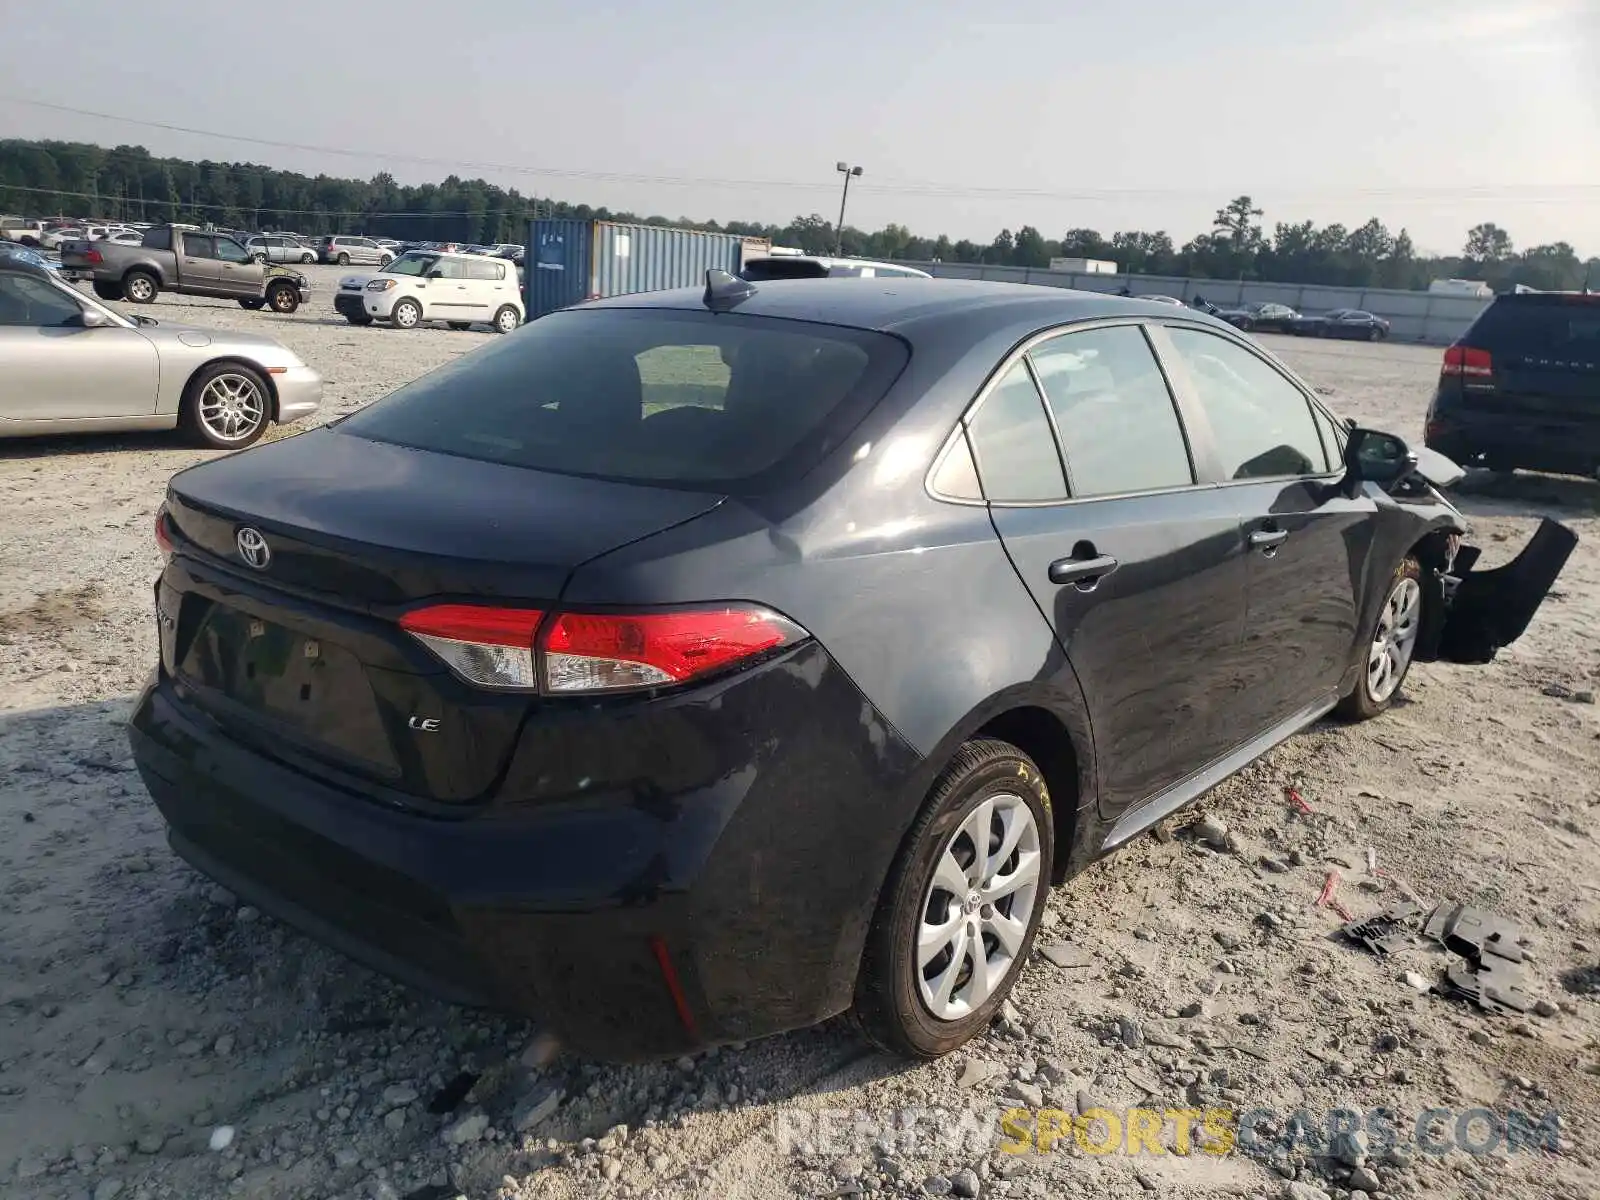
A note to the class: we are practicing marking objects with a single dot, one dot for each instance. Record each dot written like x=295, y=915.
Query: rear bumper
x=1509, y=440
x=634, y=921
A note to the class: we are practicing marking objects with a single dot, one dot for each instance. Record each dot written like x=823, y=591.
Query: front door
x=1309, y=543
x=1140, y=572
x=55, y=369
x=237, y=273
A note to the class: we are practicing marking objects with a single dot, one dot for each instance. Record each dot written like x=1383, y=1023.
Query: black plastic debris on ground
x=1490, y=973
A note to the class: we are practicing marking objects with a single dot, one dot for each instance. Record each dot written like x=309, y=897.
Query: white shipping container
x=1084, y=266
x=1460, y=287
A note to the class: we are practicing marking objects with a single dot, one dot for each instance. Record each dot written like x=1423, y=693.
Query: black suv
x=1521, y=388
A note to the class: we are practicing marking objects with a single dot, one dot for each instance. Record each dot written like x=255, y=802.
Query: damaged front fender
x=1471, y=615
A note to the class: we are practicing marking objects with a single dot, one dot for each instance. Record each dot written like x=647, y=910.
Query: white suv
x=426, y=285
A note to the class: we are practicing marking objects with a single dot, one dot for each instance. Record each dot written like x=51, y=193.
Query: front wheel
x=227, y=406
x=958, y=914
x=284, y=297
x=308, y=258
x=259, y=258
x=406, y=314
x=386, y=260
x=1387, y=652
x=507, y=319
x=1374, y=334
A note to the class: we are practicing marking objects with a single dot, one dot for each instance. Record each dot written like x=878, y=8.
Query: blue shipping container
x=571, y=261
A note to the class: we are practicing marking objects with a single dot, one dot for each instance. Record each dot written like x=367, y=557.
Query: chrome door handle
x=1268, y=539
x=1085, y=572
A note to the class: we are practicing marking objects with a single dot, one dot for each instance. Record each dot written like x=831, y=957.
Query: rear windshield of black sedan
x=660, y=396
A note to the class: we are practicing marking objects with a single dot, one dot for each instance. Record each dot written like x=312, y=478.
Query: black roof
x=895, y=304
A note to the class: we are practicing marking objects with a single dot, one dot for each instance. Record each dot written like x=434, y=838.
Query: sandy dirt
x=145, y=1017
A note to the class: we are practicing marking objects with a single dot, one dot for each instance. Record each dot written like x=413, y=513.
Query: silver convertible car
x=69, y=364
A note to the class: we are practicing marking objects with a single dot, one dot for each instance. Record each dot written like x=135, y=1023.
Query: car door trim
x=1163, y=804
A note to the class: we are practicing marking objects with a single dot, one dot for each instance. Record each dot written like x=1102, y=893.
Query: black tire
x=1360, y=704
x=140, y=287
x=888, y=1006
x=251, y=302
x=308, y=258
x=284, y=297
x=458, y=325
x=506, y=319
x=358, y=320
x=385, y=260
x=1375, y=334
x=107, y=291
x=343, y=260
x=196, y=427
x=410, y=317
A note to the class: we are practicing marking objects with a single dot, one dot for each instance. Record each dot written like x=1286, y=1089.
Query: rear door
x=1308, y=542
x=486, y=288
x=1140, y=571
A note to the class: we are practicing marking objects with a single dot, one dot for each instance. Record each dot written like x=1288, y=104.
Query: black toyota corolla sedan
x=693, y=666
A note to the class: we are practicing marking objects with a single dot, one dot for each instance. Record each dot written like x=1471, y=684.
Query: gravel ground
x=159, y=1040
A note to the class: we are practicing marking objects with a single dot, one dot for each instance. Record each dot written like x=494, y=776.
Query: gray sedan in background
x=69, y=364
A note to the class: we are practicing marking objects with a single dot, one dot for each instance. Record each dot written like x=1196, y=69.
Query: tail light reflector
x=93, y=256
x=490, y=647
x=575, y=653
x=163, y=534
x=593, y=652
x=1468, y=361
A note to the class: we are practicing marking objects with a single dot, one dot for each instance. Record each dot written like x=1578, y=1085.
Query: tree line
x=44, y=178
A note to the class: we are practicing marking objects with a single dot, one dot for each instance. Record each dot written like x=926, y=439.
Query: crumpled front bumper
x=1472, y=615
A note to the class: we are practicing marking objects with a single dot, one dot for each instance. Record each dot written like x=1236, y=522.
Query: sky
x=1431, y=115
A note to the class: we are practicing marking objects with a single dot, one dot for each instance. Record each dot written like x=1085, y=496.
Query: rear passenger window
x=1118, y=426
x=957, y=476
x=1260, y=421
x=1017, y=458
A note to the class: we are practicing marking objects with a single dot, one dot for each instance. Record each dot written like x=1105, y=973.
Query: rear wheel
x=507, y=319
x=308, y=258
x=140, y=287
x=1388, y=650
x=961, y=906
x=227, y=405
x=343, y=260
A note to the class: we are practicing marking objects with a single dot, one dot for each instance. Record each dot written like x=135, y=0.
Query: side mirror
x=435, y=274
x=1374, y=457
x=90, y=318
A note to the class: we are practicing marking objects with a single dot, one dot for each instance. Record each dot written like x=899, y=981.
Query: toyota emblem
x=253, y=548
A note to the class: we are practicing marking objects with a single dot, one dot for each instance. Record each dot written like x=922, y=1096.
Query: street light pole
x=846, y=170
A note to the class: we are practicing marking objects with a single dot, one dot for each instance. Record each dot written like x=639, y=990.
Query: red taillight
x=1467, y=360
x=163, y=534
x=491, y=647
x=594, y=652
x=93, y=256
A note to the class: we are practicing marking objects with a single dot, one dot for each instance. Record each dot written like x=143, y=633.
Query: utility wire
x=1523, y=193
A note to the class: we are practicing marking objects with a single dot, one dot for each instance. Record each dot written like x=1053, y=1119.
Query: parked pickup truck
x=190, y=262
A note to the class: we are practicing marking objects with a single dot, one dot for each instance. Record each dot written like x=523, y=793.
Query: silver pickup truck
x=191, y=262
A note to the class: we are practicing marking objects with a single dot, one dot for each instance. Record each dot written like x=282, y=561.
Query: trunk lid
x=302, y=657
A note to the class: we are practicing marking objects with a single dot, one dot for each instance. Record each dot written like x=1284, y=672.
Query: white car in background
x=430, y=285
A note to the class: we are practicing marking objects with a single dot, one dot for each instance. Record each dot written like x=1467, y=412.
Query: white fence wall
x=1415, y=316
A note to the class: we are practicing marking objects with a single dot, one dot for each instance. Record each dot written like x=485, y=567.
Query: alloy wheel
x=978, y=907
x=231, y=407
x=139, y=289
x=1395, y=639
